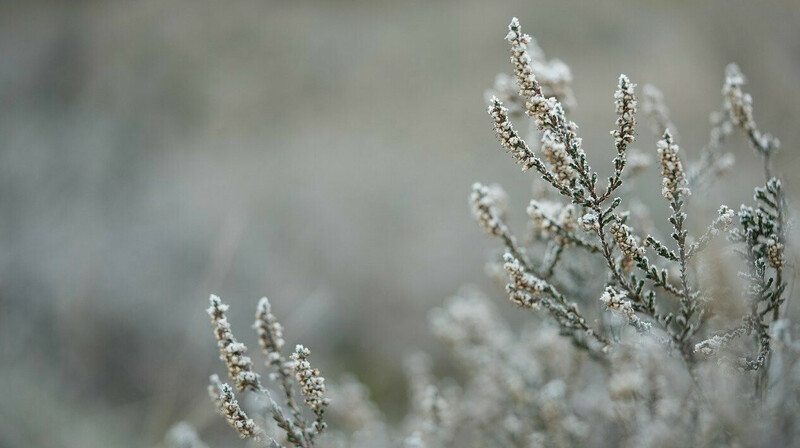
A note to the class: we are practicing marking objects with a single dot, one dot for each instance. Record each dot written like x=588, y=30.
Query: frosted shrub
x=661, y=379
x=296, y=429
x=627, y=344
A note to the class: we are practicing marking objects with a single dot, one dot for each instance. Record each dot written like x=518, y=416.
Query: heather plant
x=631, y=344
x=650, y=285
x=297, y=429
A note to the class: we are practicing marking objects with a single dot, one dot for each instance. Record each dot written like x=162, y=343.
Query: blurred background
x=319, y=153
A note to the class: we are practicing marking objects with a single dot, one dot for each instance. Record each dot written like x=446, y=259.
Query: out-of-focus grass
x=320, y=153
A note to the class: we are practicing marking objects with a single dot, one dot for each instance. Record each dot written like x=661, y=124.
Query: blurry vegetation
x=318, y=153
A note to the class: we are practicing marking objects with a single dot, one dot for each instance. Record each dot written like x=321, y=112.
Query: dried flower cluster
x=674, y=179
x=488, y=206
x=232, y=353
x=616, y=301
x=296, y=429
x=312, y=384
x=626, y=241
x=235, y=416
x=663, y=304
x=652, y=285
x=739, y=106
x=552, y=219
x=664, y=358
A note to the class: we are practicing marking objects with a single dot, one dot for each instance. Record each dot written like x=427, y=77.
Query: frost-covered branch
x=240, y=370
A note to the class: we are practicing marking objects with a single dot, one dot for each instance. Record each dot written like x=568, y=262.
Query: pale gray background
x=319, y=153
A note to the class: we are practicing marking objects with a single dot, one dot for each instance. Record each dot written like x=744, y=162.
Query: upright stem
x=761, y=381
x=687, y=306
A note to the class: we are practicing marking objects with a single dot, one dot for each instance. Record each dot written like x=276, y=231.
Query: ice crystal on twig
x=312, y=385
x=740, y=106
x=556, y=155
x=488, y=207
x=234, y=414
x=626, y=241
x=232, y=352
x=616, y=301
x=671, y=169
x=625, y=102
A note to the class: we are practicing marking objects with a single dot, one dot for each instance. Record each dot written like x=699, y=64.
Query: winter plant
x=636, y=341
